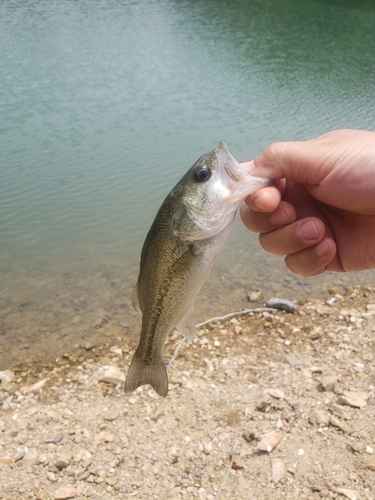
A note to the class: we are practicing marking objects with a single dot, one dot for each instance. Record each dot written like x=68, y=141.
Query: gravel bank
x=270, y=405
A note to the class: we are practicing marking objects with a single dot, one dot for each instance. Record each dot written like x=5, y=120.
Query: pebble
x=238, y=464
x=255, y=295
x=328, y=381
x=269, y=441
x=293, y=361
x=275, y=393
x=6, y=376
x=341, y=425
x=63, y=460
x=65, y=492
x=351, y=494
x=113, y=375
x=278, y=470
x=354, y=399
x=281, y=304
x=370, y=465
x=318, y=417
x=110, y=414
x=104, y=437
x=31, y=457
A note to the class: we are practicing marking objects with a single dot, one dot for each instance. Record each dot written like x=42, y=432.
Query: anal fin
x=186, y=325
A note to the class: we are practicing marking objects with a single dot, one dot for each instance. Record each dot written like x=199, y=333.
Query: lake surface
x=104, y=105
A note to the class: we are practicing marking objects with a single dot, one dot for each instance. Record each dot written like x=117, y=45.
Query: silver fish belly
x=179, y=251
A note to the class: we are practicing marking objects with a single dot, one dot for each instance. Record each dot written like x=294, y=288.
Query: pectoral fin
x=186, y=325
x=135, y=298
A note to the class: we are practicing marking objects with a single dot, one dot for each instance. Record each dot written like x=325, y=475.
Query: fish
x=185, y=238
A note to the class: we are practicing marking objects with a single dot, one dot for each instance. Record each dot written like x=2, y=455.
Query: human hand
x=321, y=211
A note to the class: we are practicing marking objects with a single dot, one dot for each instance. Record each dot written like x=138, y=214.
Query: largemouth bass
x=181, y=246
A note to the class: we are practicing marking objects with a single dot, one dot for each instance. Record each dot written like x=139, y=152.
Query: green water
x=104, y=105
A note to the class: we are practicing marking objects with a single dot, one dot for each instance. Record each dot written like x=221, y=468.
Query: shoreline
x=67, y=430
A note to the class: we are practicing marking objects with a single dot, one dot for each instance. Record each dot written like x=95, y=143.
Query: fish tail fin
x=141, y=373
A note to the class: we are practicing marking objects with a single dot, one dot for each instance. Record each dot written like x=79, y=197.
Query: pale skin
x=321, y=211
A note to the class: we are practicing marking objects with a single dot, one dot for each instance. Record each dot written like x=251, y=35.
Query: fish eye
x=201, y=173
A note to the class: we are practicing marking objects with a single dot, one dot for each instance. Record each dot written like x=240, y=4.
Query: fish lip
x=231, y=174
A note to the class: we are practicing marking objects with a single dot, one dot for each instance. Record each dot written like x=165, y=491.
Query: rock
x=318, y=417
x=293, y=361
x=269, y=441
x=113, y=375
x=278, y=470
x=6, y=376
x=310, y=370
x=354, y=399
x=238, y=464
x=339, y=411
x=86, y=459
x=31, y=457
x=275, y=393
x=357, y=446
x=281, y=304
x=63, y=461
x=104, y=437
x=5, y=462
x=255, y=295
x=351, y=494
x=250, y=435
x=343, y=426
x=33, y=388
x=110, y=414
x=64, y=493
x=328, y=381
x=370, y=465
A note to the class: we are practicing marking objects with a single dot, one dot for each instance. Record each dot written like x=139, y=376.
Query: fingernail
x=322, y=249
x=309, y=231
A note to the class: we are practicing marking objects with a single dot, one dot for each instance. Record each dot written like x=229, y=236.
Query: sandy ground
x=263, y=406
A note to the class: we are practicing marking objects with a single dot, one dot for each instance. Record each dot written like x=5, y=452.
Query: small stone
x=255, y=295
x=343, y=426
x=269, y=441
x=202, y=494
x=351, y=494
x=354, y=399
x=110, y=414
x=357, y=446
x=293, y=361
x=250, y=435
x=275, y=393
x=113, y=375
x=278, y=470
x=318, y=417
x=63, y=461
x=31, y=457
x=338, y=410
x=104, y=437
x=238, y=464
x=64, y=493
x=37, y=386
x=370, y=465
x=281, y=304
x=328, y=381
x=5, y=462
x=6, y=376
x=86, y=459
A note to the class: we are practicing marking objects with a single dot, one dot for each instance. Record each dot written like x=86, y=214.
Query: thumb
x=295, y=161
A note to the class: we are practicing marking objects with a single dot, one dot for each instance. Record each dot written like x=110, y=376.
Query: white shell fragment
x=269, y=441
